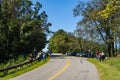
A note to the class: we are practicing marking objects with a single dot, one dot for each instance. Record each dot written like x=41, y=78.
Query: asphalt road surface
x=62, y=68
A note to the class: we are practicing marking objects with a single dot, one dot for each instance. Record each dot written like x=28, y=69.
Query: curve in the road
x=60, y=71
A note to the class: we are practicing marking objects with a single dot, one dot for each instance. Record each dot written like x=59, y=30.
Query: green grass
x=15, y=72
x=108, y=69
x=114, y=62
x=13, y=62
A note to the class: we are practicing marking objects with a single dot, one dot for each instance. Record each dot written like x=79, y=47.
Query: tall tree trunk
x=109, y=49
x=80, y=44
x=110, y=42
x=112, y=49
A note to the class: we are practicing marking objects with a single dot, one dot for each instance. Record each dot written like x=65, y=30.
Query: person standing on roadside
x=89, y=54
x=102, y=56
x=44, y=56
x=50, y=52
x=31, y=57
x=97, y=54
x=34, y=53
x=39, y=56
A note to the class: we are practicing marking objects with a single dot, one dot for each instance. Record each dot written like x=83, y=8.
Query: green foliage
x=111, y=7
x=101, y=22
x=13, y=61
x=22, y=27
x=62, y=41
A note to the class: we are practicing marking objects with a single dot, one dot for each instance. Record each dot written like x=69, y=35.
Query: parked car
x=72, y=54
x=81, y=54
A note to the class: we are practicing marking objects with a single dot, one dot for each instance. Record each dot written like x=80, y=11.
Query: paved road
x=63, y=68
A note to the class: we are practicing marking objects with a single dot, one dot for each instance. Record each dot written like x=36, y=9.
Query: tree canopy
x=64, y=42
x=22, y=27
x=101, y=20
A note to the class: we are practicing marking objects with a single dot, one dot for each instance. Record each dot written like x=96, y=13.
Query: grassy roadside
x=108, y=69
x=14, y=61
x=26, y=68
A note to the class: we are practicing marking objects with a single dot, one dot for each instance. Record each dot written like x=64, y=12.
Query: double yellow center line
x=60, y=71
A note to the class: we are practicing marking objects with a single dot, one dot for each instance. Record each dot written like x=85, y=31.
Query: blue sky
x=60, y=14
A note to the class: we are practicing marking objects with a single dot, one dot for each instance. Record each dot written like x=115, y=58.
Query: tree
x=111, y=13
x=22, y=27
x=58, y=41
x=63, y=42
x=99, y=16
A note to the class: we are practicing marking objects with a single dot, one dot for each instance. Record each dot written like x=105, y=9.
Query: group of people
x=100, y=55
x=37, y=55
x=41, y=56
x=90, y=54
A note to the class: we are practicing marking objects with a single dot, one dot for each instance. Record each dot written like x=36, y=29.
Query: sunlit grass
x=106, y=70
x=115, y=62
